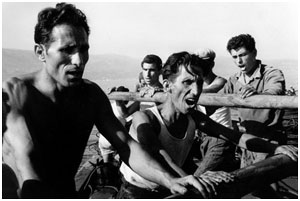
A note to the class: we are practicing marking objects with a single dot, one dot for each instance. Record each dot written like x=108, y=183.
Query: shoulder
x=199, y=117
x=91, y=85
x=266, y=70
x=146, y=116
x=141, y=116
x=271, y=74
x=92, y=89
x=95, y=96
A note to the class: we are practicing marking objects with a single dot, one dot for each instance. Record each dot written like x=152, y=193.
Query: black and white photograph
x=150, y=100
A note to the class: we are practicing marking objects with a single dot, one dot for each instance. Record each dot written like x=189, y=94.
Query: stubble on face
x=186, y=90
x=67, y=55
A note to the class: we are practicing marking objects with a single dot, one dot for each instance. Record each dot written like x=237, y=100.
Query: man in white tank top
x=168, y=130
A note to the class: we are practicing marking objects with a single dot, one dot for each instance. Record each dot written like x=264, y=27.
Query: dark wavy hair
x=153, y=59
x=242, y=40
x=191, y=62
x=63, y=13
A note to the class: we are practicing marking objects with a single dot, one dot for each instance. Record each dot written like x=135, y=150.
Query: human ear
x=255, y=52
x=166, y=85
x=39, y=51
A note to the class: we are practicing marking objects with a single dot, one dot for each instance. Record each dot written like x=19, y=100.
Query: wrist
x=24, y=166
x=168, y=180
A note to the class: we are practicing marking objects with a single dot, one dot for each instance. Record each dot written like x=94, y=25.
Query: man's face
x=244, y=59
x=150, y=73
x=67, y=55
x=186, y=90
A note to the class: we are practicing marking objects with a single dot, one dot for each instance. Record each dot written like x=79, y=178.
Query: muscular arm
x=17, y=143
x=17, y=146
x=131, y=152
x=246, y=141
x=135, y=155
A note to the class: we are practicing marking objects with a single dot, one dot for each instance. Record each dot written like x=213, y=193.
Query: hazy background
x=123, y=33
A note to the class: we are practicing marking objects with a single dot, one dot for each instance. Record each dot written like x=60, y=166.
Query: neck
x=250, y=73
x=47, y=86
x=168, y=112
x=156, y=84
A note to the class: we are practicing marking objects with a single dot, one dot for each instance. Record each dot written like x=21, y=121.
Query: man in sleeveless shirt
x=51, y=113
x=168, y=129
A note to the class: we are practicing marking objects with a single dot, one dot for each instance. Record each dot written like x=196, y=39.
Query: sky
x=139, y=28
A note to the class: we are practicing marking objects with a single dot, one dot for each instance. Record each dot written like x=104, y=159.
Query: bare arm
x=215, y=86
x=136, y=156
x=17, y=142
x=246, y=141
x=125, y=110
x=18, y=145
x=130, y=151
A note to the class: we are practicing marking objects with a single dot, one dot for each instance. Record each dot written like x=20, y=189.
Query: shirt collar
x=256, y=74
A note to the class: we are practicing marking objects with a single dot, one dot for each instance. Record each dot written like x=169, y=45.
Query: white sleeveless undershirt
x=177, y=149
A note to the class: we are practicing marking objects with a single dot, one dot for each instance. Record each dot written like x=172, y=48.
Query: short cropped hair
x=242, y=40
x=153, y=59
x=63, y=13
x=191, y=62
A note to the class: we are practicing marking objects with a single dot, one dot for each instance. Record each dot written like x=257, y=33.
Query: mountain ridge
x=118, y=68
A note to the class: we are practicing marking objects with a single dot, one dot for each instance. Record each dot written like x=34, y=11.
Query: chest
x=177, y=147
x=68, y=123
x=257, y=83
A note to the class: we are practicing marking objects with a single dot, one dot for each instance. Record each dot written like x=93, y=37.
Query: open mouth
x=242, y=67
x=75, y=74
x=191, y=102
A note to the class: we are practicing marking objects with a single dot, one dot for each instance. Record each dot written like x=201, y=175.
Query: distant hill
x=99, y=67
x=111, y=70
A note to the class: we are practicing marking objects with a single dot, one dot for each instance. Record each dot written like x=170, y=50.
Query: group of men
x=49, y=115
